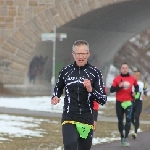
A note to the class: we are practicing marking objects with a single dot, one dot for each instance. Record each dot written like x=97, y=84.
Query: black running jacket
x=78, y=101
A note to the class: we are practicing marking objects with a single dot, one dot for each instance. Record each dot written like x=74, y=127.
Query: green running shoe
x=134, y=135
x=124, y=142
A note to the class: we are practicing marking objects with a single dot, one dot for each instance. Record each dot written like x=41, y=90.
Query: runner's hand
x=133, y=94
x=143, y=96
x=121, y=84
x=55, y=100
x=87, y=85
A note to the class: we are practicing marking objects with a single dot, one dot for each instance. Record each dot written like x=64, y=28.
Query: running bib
x=83, y=129
x=137, y=96
x=126, y=104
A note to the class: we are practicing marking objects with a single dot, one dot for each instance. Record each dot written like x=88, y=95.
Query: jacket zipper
x=78, y=92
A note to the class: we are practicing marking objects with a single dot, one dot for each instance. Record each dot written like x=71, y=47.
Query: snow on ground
x=17, y=126
x=98, y=140
x=36, y=104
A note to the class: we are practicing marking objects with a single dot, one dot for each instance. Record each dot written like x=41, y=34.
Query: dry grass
x=50, y=140
x=53, y=138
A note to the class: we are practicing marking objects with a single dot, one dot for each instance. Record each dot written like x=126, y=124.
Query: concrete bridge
x=106, y=24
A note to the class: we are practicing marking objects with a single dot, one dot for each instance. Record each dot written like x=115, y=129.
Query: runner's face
x=81, y=54
x=137, y=75
x=124, y=69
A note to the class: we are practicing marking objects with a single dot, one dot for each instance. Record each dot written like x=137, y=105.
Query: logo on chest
x=126, y=85
x=75, y=78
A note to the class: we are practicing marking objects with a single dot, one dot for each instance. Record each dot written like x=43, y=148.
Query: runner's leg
x=138, y=110
x=85, y=144
x=95, y=115
x=133, y=113
x=128, y=112
x=120, y=115
x=70, y=136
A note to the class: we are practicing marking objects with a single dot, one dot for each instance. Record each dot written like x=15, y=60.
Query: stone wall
x=21, y=25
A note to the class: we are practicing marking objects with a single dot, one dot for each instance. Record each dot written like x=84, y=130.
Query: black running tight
x=120, y=114
x=137, y=109
x=72, y=139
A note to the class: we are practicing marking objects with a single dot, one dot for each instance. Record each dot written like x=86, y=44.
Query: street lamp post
x=52, y=37
x=54, y=56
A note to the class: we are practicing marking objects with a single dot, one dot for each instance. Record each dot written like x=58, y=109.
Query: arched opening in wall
x=106, y=29
x=136, y=52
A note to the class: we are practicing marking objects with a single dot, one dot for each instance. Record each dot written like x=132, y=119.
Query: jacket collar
x=81, y=67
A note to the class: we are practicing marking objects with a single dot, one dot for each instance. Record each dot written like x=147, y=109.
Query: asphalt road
x=141, y=143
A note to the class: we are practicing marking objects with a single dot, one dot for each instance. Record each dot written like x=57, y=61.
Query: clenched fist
x=55, y=100
x=87, y=84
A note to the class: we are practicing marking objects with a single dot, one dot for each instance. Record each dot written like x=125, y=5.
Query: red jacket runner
x=125, y=93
